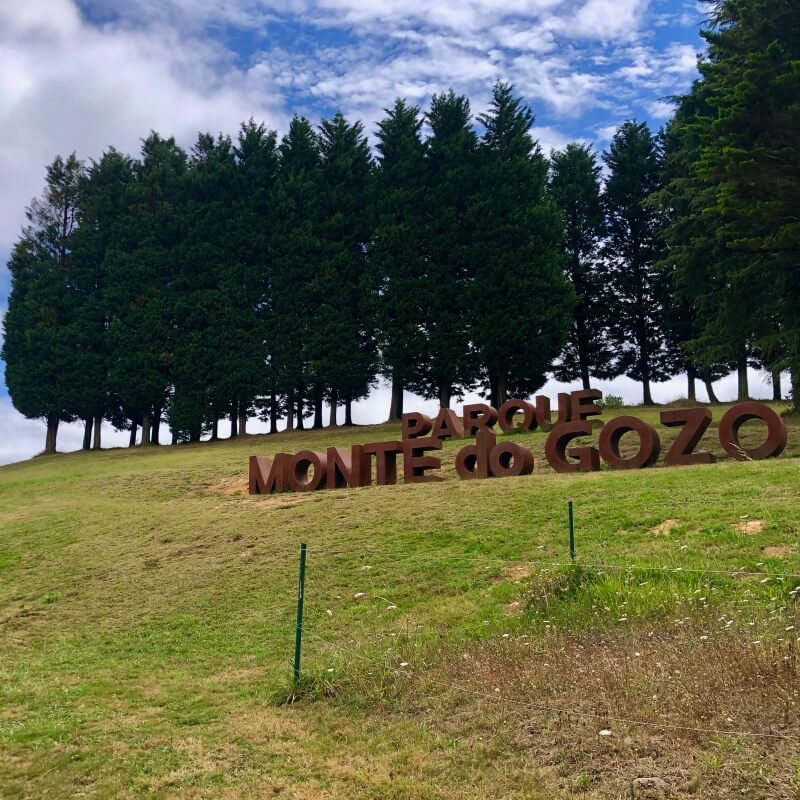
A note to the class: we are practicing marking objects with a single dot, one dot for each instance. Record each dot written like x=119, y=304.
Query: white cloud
x=68, y=85
x=553, y=139
x=605, y=133
x=609, y=20
x=660, y=109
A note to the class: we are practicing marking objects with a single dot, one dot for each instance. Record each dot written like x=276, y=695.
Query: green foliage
x=104, y=193
x=257, y=168
x=521, y=301
x=611, y=401
x=397, y=253
x=252, y=277
x=42, y=362
x=575, y=189
x=448, y=365
x=640, y=289
x=343, y=350
x=141, y=269
x=296, y=247
x=733, y=187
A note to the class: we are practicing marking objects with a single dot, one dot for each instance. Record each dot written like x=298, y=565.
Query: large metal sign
x=377, y=462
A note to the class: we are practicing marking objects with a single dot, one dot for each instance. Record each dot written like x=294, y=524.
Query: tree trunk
x=712, y=398
x=98, y=427
x=87, y=433
x=52, y=435
x=493, y=394
x=156, y=429
x=743, y=392
x=647, y=397
x=214, y=430
x=300, y=407
x=146, y=430
x=234, y=420
x=242, y=420
x=273, y=413
x=290, y=412
x=585, y=380
x=348, y=411
x=445, y=395
x=174, y=437
x=794, y=377
x=396, y=405
x=334, y=404
x=691, y=385
x=501, y=391
x=132, y=440
x=318, y=402
x=776, y=386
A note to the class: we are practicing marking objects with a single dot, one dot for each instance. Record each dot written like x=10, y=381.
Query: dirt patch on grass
x=750, y=526
x=778, y=552
x=517, y=572
x=665, y=528
x=231, y=487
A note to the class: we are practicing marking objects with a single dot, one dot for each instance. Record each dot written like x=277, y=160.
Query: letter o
x=298, y=467
x=613, y=431
x=509, y=459
x=505, y=416
x=467, y=462
x=735, y=417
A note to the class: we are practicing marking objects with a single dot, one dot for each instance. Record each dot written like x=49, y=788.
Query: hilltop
x=147, y=627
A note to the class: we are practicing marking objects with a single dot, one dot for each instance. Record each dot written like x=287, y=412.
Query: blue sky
x=85, y=75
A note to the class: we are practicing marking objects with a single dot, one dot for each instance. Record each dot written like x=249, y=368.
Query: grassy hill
x=147, y=623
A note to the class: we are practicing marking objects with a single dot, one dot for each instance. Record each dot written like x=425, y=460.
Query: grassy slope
x=146, y=617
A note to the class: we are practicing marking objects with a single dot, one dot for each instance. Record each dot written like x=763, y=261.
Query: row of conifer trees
x=275, y=277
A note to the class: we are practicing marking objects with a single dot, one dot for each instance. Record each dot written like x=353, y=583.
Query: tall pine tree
x=750, y=151
x=141, y=268
x=521, y=302
x=640, y=288
x=575, y=188
x=295, y=251
x=447, y=365
x=250, y=280
x=204, y=315
x=343, y=327
x=398, y=250
x=103, y=195
x=42, y=365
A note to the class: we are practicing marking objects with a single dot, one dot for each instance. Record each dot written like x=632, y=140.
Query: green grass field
x=147, y=626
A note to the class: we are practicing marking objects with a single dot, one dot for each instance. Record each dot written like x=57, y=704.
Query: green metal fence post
x=571, y=531
x=298, y=636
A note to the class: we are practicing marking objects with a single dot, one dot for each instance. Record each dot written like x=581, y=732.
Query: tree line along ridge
x=269, y=276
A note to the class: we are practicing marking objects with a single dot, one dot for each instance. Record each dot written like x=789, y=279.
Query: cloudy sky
x=80, y=76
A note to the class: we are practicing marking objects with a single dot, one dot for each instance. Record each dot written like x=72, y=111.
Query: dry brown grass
x=778, y=552
x=681, y=705
x=750, y=526
x=665, y=528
